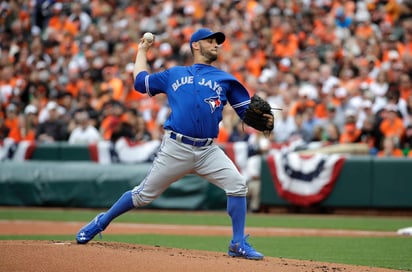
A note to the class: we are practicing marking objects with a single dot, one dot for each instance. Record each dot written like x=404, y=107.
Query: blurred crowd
x=339, y=70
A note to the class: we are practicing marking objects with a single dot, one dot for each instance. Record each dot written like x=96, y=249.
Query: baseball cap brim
x=205, y=33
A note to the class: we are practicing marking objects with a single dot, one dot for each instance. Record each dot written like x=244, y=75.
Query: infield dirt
x=62, y=256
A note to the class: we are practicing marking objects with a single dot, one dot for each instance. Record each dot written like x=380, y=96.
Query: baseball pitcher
x=196, y=96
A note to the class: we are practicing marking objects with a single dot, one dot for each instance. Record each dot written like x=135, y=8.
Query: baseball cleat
x=88, y=232
x=244, y=250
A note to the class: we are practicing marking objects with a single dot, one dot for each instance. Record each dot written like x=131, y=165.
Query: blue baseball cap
x=205, y=33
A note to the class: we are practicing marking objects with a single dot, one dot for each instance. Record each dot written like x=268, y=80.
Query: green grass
x=388, y=252
x=377, y=223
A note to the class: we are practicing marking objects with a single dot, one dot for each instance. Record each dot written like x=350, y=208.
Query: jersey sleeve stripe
x=146, y=83
x=247, y=102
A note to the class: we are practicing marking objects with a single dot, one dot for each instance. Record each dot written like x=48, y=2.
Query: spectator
x=113, y=85
x=4, y=130
x=390, y=148
x=79, y=17
x=84, y=132
x=45, y=112
x=7, y=83
x=12, y=122
x=284, y=126
x=407, y=142
x=364, y=112
x=67, y=106
x=318, y=135
x=327, y=78
x=331, y=45
x=111, y=122
x=300, y=132
x=350, y=132
x=142, y=133
x=368, y=134
x=29, y=124
x=303, y=101
x=379, y=88
x=253, y=170
x=311, y=122
x=60, y=21
x=341, y=19
x=133, y=127
x=340, y=107
x=409, y=111
x=132, y=97
x=83, y=102
x=53, y=129
x=392, y=125
x=332, y=133
x=405, y=86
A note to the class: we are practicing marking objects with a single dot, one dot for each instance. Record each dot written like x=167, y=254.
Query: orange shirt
x=14, y=126
x=74, y=88
x=300, y=106
x=108, y=125
x=30, y=135
x=63, y=26
x=133, y=97
x=404, y=48
x=116, y=84
x=405, y=93
x=288, y=49
x=350, y=134
x=321, y=111
x=255, y=64
x=390, y=129
x=364, y=31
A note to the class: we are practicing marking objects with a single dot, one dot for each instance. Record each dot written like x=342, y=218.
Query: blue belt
x=190, y=141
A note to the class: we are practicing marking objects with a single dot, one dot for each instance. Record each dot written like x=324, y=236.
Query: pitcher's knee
x=239, y=190
x=140, y=200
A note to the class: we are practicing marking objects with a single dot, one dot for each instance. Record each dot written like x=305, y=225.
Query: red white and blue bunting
x=304, y=180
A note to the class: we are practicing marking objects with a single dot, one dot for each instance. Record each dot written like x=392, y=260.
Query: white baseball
x=148, y=37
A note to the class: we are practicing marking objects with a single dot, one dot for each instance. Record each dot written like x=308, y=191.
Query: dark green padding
x=392, y=186
x=364, y=182
x=87, y=184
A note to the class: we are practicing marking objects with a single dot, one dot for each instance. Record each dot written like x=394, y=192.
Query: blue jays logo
x=214, y=102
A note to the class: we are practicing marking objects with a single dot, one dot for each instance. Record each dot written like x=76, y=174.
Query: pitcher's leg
x=236, y=208
x=166, y=169
x=121, y=206
x=102, y=220
x=173, y=161
x=218, y=169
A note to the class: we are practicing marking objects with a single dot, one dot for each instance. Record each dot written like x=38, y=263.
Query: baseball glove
x=254, y=115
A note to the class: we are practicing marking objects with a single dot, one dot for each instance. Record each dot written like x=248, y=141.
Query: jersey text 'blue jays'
x=193, y=92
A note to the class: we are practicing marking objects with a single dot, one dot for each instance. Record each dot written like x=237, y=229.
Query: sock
x=236, y=208
x=124, y=204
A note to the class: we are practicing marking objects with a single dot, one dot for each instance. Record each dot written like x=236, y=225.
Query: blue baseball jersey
x=197, y=95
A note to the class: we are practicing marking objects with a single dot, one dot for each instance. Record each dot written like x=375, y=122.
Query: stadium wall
x=65, y=176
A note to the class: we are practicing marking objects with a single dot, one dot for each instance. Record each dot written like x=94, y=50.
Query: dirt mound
x=62, y=256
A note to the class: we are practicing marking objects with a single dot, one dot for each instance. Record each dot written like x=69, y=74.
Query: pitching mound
x=62, y=256
x=65, y=256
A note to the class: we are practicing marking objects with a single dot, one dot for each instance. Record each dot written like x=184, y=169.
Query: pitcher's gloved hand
x=259, y=115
